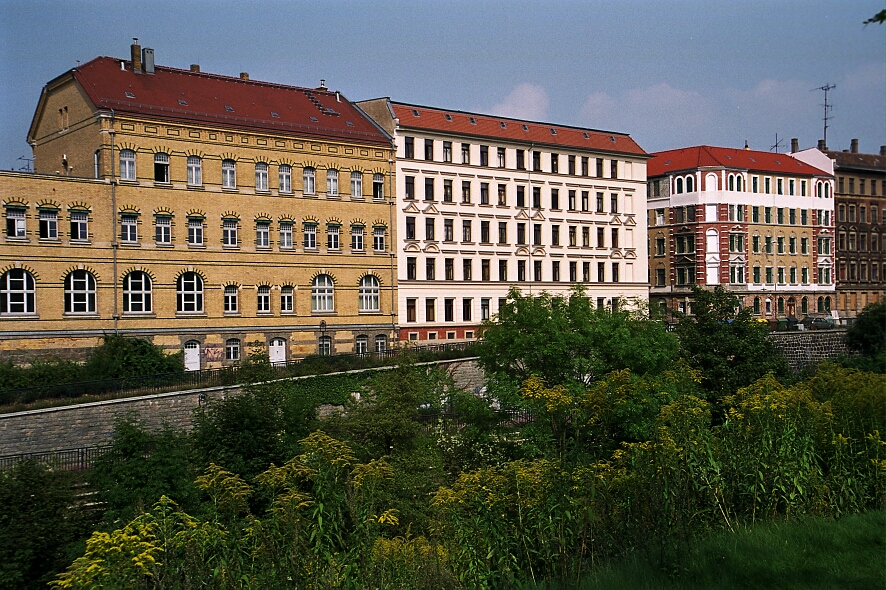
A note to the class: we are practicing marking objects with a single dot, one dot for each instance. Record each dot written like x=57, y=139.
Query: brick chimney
x=821, y=146
x=244, y=75
x=795, y=145
x=853, y=146
x=883, y=150
x=136, y=53
x=195, y=67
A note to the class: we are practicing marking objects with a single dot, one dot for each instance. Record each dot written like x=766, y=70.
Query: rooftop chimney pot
x=136, y=55
x=853, y=146
x=244, y=75
x=322, y=84
x=195, y=67
x=883, y=150
x=821, y=145
x=795, y=145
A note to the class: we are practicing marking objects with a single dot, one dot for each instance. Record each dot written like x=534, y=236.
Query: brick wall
x=806, y=348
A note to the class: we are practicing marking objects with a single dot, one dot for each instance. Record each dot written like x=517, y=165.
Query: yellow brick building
x=202, y=211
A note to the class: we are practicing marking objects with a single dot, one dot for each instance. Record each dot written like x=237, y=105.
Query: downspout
x=114, y=244
x=394, y=245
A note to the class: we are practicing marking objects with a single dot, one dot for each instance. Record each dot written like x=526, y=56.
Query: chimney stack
x=148, y=60
x=322, y=84
x=795, y=145
x=136, y=54
x=244, y=75
x=195, y=67
x=821, y=145
x=883, y=150
x=853, y=146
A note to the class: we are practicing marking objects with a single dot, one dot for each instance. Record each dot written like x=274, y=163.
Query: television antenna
x=827, y=109
x=778, y=144
x=27, y=161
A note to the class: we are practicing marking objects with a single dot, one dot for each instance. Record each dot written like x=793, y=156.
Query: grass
x=813, y=553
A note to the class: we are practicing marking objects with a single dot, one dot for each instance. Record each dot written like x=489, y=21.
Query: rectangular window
x=586, y=271
x=791, y=183
x=780, y=215
x=262, y=235
x=356, y=185
x=571, y=203
x=285, y=235
x=128, y=227
x=484, y=155
x=736, y=274
x=465, y=191
x=286, y=300
x=484, y=232
x=502, y=195
x=792, y=245
x=804, y=245
x=410, y=188
x=229, y=233
x=536, y=197
x=659, y=217
x=521, y=233
x=466, y=230
x=573, y=238
x=536, y=161
x=484, y=309
x=767, y=214
x=447, y=151
x=503, y=270
x=430, y=310
x=780, y=185
x=769, y=276
x=163, y=227
x=599, y=168
x=555, y=163
x=449, y=310
x=601, y=272
x=536, y=234
x=195, y=171
x=284, y=173
x=430, y=269
x=521, y=196
x=410, y=228
x=49, y=226
x=467, y=268
x=429, y=229
x=536, y=270
x=411, y=263
x=429, y=149
x=781, y=275
x=521, y=164
x=465, y=153
x=501, y=157
x=573, y=272
x=161, y=167
x=79, y=225
x=804, y=217
x=15, y=224
x=310, y=236
x=447, y=191
x=466, y=305
x=555, y=198
x=555, y=271
x=613, y=203
x=502, y=232
x=613, y=172
x=378, y=239
x=429, y=189
x=357, y=244
x=195, y=232
x=793, y=275
x=736, y=242
x=585, y=167
x=755, y=214
x=780, y=242
x=448, y=233
x=571, y=169
x=410, y=310
x=332, y=237
x=614, y=237
x=660, y=277
x=484, y=193
x=599, y=202
x=229, y=174
x=600, y=238
x=261, y=176
x=449, y=269
x=485, y=270
x=555, y=235
x=521, y=270
x=757, y=275
x=409, y=148
x=755, y=244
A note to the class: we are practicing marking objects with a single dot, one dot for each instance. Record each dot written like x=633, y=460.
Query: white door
x=277, y=351
x=192, y=355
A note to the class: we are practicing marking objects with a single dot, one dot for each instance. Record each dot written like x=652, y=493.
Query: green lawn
x=812, y=553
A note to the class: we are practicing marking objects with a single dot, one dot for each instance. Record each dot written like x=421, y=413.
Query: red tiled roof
x=464, y=123
x=705, y=156
x=199, y=97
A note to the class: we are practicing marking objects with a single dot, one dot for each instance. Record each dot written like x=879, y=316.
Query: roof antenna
x=827, y=109
x=778, y=144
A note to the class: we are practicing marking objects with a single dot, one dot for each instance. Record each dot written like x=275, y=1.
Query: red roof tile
x=199, y=97
x=705, y=156
x=464, y=123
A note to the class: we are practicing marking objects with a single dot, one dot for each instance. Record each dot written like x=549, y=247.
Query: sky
x=672, y=73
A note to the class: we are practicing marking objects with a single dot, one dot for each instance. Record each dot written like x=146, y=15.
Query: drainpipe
x=114, y=244
x=391, y=205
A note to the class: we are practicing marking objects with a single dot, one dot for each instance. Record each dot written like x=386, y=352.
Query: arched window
x=690, y=184
x=820, y=305
x=195, y=171
x=381, y=343
x=229, y=174
x=324, y=345
x=361, y=344
x=827, y=190
x=679, y=185
x=264, y=299
x=80, y=292
x=308, y=179
x=231, y=299
x=261, y=176
x=161, y=167
x=332, y=181
x=189, y=293
x=711, y=183
x=369, y=294
x=137, y=292
x=322, y=293
x=127, y=165
x=232, y=349
x=732, y=182
x=804, y=305
x=738, y=183
x=378, y=186
x=285, y=174
x=827, y=302
x=17, y=292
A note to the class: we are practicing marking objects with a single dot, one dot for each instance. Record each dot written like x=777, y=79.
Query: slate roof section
x=515, y=130
x=705, y=156
x=855, y=161
x=186, y=96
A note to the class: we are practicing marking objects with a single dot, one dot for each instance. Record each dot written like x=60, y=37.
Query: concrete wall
x=92, y=424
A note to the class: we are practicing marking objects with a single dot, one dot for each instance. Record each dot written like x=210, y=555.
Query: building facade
x=485, y=203
x=861, y=216
x=758, y=223
x=202, y=211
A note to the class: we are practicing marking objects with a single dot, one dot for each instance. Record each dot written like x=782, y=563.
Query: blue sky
x=670, y=73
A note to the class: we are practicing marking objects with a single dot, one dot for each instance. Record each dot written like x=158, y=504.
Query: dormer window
x=448, y=117
x=415, y=113
x=275, y=115
x=230, y=109
x=553, y=131
x=314, y=119
x=503, y=124
x=182, y=102
x=525, y=128
x=472, y=120
x=129, y=95
x=585, y=133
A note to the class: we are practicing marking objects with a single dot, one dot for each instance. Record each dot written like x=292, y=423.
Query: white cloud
x=526, y=101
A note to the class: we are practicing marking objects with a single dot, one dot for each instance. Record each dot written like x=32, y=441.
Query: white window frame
x=163, y=232
x=263, y=299
x=378, y=186
x=361, y=345
x=16, y=224
x=357, y=243
x=79, y=226
x=17, y=293
x=356, y=185
x=332, y=182
x=322, y=294
x=195, y=232
x=285, y=178
x=285, y=235
x=189, y=293
x=137, y=292
x=128, y=228
x=262, y=234
x=80, y=292
x=287, y=299
x=231, y=299
x=49, y=221
x=195, y=171
x=261, y=176
x=378, y=239
x=232, y=349
x=127, y=165
x=309, y=177
x=230, y=233
x=161, y=159
x=229, y=174
x=369, y=295
x=310, y=236
x=333, y=237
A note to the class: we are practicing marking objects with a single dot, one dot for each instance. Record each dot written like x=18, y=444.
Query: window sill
x=14, y=239
x=314, y=250
x=138, y=314
x=285, y=193
x=49, y=241
x=162, y=184
x=325, y=313
x=285, y=248
x=20, y=316
x=290, y=313
x=262, y=191
x=196, y=187
x=264, y=314
x=371, y=312
x=164, y=245
x=226, y=247
x=361, y=252
x=80, y=242
x=82, y=315
x=128, y=180
x=232, y=314
x=333, y=197
x=310, y=195
x=130, y=244
x=226, y=189
x=190, y=314
x=263, y=248
x=196, y=246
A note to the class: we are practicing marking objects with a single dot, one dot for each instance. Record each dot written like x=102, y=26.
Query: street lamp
x=324, y=349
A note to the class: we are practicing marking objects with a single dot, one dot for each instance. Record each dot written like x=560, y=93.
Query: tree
x=564, y=340
x=120, y=356
x=726, y=343
x=867, y=334
x=878, y=18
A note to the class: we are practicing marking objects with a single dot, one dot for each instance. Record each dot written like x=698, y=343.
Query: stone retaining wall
x=92, y=424
x=808, y=348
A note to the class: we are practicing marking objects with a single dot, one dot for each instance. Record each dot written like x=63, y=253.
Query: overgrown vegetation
x=546, y=480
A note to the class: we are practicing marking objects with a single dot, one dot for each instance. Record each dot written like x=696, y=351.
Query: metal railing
x=65, y=459
x=231, y=375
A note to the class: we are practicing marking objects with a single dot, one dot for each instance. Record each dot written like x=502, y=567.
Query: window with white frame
x=357, y=238
x=15, y=223
x=261, y=176
x=189, y=293
x=232, y=349
x=263, y=303
x=332, y=237
x=286, y=234
x=356, y=185
x=79, y=225
x=231, y=299
x=308, y=181
x=378, y=186
x=262, y=234
x=128, y=227
x=127, y=165
x=195, y=232
x=332, y=182
x=163, y=230
x=161, y=167
x=229, y=233
x=324, y=345
x=137, y=292
x=381, y=343
x=310, y=236
x=361, y=345
x=378, y=239
x=17, y=292
x=322, y=294
x=48, y=225
x=229, y=174
x=285, y=178
x=195, y=171
x=287, y=300
x=369, y=294
x=80, y=292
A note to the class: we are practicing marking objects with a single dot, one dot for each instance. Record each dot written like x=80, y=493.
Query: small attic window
x=612, y=138
x=415, y=113
x=553, y=131
x=448, y=117
x=752, y=159
x=182, y=102
x=228, y=108
x=585, y=133
x=668, y=163
x=503, y=124
x=525, y=128
x=275, y=115
x=349, y=124
x=473, y=120
x=129, y=95
x=314, y=119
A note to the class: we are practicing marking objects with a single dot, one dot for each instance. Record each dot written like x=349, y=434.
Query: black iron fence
x=231, y=375
x=66, y=459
